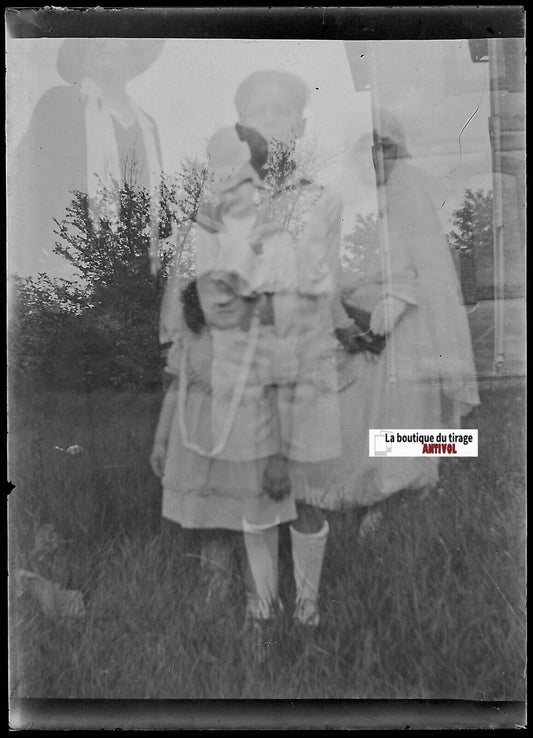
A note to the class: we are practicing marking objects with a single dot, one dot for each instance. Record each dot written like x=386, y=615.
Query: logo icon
x=381, y=446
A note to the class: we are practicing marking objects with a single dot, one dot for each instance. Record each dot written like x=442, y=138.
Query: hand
x=348, y=336
x=276, y=481
x=457, y=410
x=386, y=314
x=355, y=340
x=352, y=338
x=158, y=457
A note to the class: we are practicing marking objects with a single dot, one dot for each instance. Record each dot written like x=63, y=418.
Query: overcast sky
x=189, y=91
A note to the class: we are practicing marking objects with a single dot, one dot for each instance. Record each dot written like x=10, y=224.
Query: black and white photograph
x=266, y=360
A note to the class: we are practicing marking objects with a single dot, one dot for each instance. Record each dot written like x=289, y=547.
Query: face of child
x=239, y=201
x=271, y=111
x=222, y=307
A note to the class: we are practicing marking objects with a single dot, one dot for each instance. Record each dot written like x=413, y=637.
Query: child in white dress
x=284, y=242
x=217, y=430
x=280, y=234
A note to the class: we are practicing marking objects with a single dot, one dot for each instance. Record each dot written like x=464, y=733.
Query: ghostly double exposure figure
x=88, y=136
x=405, y=279
x=267, y=256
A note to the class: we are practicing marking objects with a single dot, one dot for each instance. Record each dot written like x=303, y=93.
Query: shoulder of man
x=57, y=127
x=62, y=96
x=62, y=106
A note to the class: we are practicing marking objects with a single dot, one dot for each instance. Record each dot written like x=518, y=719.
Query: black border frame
x=284, y=22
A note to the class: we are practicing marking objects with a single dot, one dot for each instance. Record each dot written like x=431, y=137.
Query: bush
x=102, y=330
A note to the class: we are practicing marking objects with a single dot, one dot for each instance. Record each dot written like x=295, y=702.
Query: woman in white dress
x=425, y=376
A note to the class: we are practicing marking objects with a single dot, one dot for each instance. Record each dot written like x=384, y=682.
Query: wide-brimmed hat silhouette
x=138, y=54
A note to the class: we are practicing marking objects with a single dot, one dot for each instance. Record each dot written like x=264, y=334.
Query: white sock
x=307, y=557
x=262, y=551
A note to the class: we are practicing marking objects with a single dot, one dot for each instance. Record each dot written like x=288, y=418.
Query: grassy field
x=431, y=606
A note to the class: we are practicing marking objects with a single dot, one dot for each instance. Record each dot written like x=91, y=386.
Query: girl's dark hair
x=192, y=310
x=258, y=147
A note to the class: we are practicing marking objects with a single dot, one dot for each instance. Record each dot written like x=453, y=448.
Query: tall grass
x=431, y=606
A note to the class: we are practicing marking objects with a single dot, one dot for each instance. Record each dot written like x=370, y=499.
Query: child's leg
x=309, y=535
x=312, y=435
x=262, y=554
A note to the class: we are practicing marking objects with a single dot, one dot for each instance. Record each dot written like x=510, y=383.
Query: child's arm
x=162, y=433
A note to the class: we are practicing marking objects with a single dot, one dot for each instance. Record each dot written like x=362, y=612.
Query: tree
x=289, y=192
x=473, y=240
x=182, y=196
x=101, y=329
x=473, y=221
x=45, y=317
x=361, y=243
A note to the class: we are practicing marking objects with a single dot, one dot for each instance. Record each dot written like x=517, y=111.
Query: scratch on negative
x=464, y=128
x=460, y=150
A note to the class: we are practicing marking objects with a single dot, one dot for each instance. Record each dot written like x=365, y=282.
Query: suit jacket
x=48, y=165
